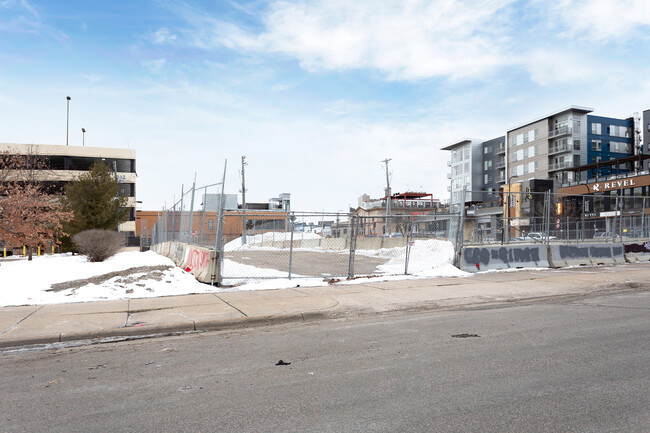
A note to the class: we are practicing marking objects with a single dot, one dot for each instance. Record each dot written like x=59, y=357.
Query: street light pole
x=67, y=119
x=83, y=137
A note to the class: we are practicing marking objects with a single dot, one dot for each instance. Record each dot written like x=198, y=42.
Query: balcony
x=449, y=189
x=448, y=175
x=448, y=163
x=501, y=149
x=500, y=163
x=560, y=166
x=554, y=133
x=561, y=149
x=501, y=178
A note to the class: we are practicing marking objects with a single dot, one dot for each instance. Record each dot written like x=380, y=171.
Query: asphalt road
x=571, y=365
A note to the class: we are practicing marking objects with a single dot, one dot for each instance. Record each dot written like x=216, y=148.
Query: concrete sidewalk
x=35, y=324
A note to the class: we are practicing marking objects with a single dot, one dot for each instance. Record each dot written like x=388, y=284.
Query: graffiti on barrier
x=637, y=248
x=198, y=259
x=573, y=252
x=601, y=252
x=503, y=254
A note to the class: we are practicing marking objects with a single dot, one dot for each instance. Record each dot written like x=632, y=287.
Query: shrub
x=99, y=245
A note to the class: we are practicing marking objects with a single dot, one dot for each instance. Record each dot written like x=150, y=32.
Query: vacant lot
x=307, y=263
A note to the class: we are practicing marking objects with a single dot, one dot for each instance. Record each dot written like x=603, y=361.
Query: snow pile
x=426, y=258
x=24, y=282
x=66, y=278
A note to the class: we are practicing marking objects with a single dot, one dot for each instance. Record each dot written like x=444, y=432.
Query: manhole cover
x=464, y=335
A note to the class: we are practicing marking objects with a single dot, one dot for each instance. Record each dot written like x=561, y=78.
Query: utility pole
x=388, y=198
x=243, y=200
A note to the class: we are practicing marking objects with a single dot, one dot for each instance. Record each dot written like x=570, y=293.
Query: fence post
x=291, y=219
x=190, y=229
x=460, y=234
x=203, y=215
x=408, y=248
x=353, y=244
x=218, y=245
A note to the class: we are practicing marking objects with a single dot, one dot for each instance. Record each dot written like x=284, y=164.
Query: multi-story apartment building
x=545, y=147
x=494, y=166
x=65, y=163
x=466, y=172
x=608, y=139
x=645, y=143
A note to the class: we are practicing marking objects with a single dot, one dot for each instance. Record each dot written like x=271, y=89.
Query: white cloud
x=163, y=36
x=93, y=78
x=598, y=20
x=155, y=66
x=403, y=40
x=23, y=18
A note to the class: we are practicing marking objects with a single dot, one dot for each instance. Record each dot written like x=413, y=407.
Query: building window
x=487, y=164
x=596, y=144
x=487, y=178
x=596, y=128
x=619, y=147
x=487, y=149
x=576, y=144
x=210, y=225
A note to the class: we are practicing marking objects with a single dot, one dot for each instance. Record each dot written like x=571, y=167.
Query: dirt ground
x=307, y=263
x=129, y=275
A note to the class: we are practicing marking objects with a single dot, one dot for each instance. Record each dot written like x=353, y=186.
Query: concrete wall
x=200, y=261
x=637, y=252
x=475, y=259
x=338, y=243
x=580, y=255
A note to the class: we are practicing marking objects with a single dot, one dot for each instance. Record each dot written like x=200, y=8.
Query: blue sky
x=314, y=93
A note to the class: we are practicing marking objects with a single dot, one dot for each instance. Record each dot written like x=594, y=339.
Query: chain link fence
x=547, y=217
x=278, y=243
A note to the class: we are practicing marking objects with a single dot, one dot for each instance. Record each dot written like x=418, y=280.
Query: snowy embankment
x=66, y=278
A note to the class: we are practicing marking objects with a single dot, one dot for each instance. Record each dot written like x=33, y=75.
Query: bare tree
x=28, y=214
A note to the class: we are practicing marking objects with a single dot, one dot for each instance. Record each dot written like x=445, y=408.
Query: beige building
x=66, y=163
x=547, y=146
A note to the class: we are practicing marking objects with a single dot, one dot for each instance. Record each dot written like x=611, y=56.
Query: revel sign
x=608, y=186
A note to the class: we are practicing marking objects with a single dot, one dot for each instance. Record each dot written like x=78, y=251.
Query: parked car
x=538, y=237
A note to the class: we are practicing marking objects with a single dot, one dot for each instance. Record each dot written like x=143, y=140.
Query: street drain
x=464, y=335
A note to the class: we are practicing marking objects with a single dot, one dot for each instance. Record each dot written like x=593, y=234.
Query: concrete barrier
x=392, y=242
x=308, y=243
x=335, y=244
x=581, y=255
x=637, y=252
x=475, y=259
x=199, y=260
